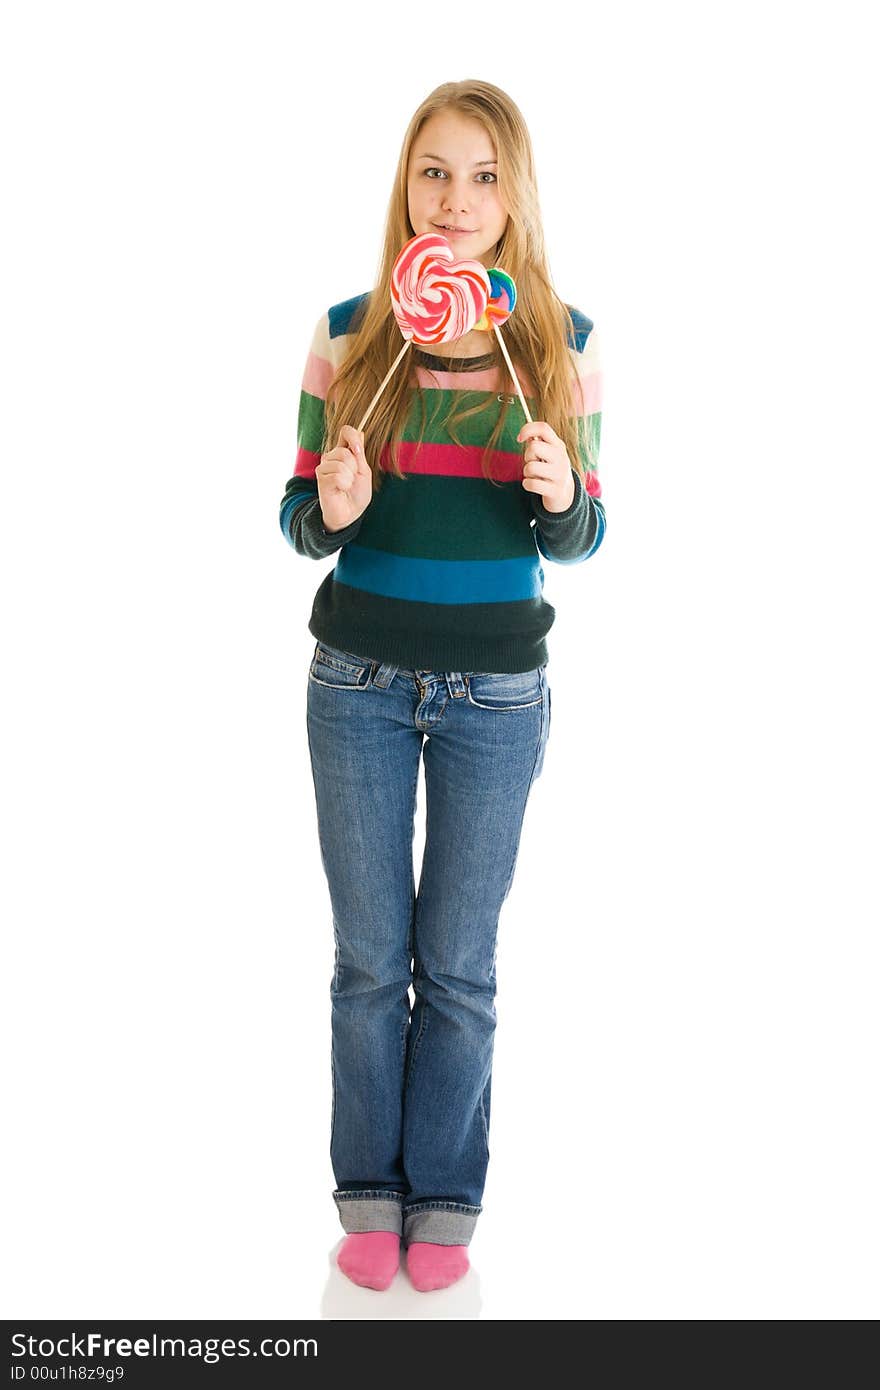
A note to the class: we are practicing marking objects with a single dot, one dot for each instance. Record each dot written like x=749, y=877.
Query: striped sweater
x=442, y=571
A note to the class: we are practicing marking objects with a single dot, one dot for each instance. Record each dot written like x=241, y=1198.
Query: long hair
x=536, y=334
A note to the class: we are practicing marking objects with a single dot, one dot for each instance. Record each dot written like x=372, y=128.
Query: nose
x=455, y=197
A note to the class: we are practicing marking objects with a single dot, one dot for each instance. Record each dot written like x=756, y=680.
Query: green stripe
x=474, y=431
x=310, y=428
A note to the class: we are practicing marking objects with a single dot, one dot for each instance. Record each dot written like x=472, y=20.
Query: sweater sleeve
x=302, y=523
x=572, y=536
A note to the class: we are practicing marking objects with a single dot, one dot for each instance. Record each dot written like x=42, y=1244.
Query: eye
x=434, y=170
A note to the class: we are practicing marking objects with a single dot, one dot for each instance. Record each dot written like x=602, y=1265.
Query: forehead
x=455, y=138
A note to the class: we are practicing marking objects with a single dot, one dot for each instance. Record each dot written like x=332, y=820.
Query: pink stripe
x=591, y=386
x=317, y=376
x=443, y=460
x=438, y=460
x=306, y=463
x=450, y=461
x=492, y=379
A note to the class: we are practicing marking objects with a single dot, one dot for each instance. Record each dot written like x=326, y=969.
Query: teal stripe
x=600, y=528
x=439, y=581
x=289, y=505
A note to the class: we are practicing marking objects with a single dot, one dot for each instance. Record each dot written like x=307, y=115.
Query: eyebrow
x=441, y=160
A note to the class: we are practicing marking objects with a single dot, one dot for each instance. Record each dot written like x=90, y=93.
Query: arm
x=302, y=523
x=572, y=536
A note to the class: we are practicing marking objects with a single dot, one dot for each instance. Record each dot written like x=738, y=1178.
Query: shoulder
x=582, y=328
x=336, y=324
x=584, y=344
x=346, y=317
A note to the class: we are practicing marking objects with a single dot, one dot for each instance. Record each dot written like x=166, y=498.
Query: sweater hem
x=409, y=652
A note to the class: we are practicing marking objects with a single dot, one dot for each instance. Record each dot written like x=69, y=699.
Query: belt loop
x=384, y=674
x=455, y=683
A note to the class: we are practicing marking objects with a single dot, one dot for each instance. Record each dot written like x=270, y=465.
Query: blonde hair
x=536, y=335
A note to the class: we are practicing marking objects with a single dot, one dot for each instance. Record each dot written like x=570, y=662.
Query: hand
x=546, y=466
x=345, y=481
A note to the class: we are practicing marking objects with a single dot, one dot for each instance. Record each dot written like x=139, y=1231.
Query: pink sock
x=370, y=1258
x=435, y=1266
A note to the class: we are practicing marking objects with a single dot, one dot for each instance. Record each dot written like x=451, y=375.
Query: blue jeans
x=410, y=1113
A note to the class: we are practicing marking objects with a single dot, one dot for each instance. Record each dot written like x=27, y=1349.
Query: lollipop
x=502, y=298
x=435, y=298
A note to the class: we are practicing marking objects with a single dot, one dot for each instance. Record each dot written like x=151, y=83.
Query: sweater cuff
x=339, y=537
x=546, y=518
x=316, y=540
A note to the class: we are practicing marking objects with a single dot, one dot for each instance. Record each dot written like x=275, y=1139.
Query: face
x=453, y=180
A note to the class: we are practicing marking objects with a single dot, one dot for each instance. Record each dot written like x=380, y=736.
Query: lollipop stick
x=384, y=384
x=513, y=373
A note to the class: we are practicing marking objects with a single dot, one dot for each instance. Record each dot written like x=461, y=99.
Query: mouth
x=454, y=231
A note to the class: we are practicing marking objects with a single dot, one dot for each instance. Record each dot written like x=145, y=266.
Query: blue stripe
x=340, y=315
x=600, y=529
x=439, y=581
x=583, y=327
x=287, y=509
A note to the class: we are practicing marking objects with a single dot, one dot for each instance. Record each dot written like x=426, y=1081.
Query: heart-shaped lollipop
x=435, y=298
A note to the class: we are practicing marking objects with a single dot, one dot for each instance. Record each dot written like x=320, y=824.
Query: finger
x=529, y=433
x=345, y=475
x=546, y=439
x=535, y=484
x=547, y=449
x=536, y=429
x=537, y=468
x=341, y=463
x=352, y=438
x=537, y=454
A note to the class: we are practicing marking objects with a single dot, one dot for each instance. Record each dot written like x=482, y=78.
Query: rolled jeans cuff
x=440, y=1223
x=373, y=1209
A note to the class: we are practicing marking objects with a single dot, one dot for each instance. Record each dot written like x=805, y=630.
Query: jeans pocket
x=339, y=670
x=505, y=691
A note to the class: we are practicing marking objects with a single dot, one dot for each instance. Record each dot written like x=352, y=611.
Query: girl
x=430, y=636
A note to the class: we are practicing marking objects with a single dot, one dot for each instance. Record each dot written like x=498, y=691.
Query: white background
x=684, y=1109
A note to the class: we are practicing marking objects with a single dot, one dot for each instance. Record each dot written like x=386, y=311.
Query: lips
x=460, y=230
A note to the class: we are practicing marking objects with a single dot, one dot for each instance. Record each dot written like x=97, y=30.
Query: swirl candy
x=435, y=298
x=502, y=299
